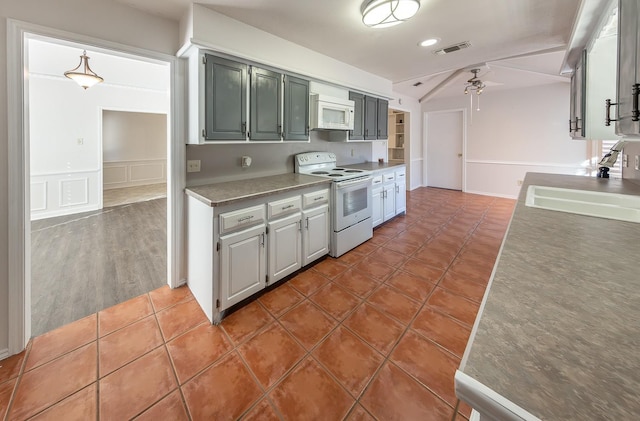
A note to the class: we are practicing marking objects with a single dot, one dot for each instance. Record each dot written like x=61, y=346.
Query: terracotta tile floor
x=375, y=334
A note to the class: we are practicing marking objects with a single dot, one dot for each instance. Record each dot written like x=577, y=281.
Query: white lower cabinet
x=401, y=191
x=285, y=245
x=242, y=265
x=377, y=201
x=315, y=233
x=236, y=250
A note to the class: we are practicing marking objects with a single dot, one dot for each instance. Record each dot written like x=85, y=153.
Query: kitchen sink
x=622, y=207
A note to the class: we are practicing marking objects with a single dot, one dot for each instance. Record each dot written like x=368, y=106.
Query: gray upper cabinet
x=358, y=124
x=383, y=119
x=225, y=99
x=266, y=105
x=296, y=108
x=370, y=118
x=627, y=113
x=577, y=100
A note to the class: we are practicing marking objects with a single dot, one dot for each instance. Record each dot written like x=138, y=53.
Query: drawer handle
x=318, y=198
x=287, y=207
x=245, y=219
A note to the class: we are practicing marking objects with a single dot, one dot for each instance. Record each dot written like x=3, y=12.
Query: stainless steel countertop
x=558, y=333
x=219, y=194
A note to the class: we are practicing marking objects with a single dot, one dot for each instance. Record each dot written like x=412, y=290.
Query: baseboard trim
x=4, y=353
x=504, y=196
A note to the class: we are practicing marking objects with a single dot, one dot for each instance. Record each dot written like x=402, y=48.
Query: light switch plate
x=625, y=160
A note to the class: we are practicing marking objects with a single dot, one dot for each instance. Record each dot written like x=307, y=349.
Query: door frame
x=425, y=131
x=19, y=297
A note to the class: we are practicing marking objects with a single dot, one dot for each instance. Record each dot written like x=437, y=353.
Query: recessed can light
x=429, y=42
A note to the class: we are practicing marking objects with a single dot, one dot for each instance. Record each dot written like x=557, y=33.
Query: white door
x=315, y=234
x=284, y=247
x=445, y=132
x=242, y=265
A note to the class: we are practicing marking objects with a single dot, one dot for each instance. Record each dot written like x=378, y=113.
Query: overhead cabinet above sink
x=231, y=101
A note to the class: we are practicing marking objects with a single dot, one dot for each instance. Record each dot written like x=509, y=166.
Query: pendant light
x=83, y=75
x=385, y=13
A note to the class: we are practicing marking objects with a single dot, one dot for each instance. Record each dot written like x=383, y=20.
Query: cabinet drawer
x=242, y=218
x=401, y=174
x=376, y=180
x=315, y=198
x=284, y=206
x=390, y=176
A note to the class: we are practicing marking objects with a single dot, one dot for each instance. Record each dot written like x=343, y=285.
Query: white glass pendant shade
x=83, y=75
x=385, y=13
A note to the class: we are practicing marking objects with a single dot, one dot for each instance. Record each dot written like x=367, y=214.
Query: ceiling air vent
x=417, y=84
x=452, y=48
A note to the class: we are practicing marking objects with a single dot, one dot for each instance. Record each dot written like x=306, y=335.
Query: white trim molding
x=117, y=174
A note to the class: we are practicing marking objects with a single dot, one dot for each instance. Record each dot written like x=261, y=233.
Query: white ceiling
x=497, y=30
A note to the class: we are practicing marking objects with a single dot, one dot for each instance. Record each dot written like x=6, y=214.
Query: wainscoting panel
x=60, y=194
x=134, y=173
x=39, y=196
x=115, y=174
x=74, y=192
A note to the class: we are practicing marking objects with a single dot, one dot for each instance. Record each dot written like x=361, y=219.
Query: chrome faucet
x=610, y=159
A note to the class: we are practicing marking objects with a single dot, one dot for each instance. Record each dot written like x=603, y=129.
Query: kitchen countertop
x=373, y=166
x=558, y=333
x=219, y=194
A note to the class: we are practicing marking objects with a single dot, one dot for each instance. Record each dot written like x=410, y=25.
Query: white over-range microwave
x=330, y=113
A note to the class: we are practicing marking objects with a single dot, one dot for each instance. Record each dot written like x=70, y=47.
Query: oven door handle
x=344, y=184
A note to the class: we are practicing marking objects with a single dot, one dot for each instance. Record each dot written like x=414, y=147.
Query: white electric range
x=351, y=222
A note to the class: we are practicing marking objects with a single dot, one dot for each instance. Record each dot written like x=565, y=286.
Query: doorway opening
x=110, y=141
x=445, y=137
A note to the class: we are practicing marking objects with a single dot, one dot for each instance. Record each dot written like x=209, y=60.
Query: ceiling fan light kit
x=82, y=74
x=385, y=13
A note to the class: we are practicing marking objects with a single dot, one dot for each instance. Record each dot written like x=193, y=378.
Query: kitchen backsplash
x=222, y=162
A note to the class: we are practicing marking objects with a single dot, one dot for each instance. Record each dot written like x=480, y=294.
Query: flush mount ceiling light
x=429, y=42
x=385, y=13
x=83, y=75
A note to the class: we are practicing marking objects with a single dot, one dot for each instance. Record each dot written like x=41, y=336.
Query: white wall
x=102, y=19
x=65, y=122
x=134, y=149
x=415, y=164
x=515, y=132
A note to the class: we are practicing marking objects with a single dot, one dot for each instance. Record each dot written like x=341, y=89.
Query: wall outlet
x=519, y=182
x=80, y=141
x=246, y=161
x=637, y=163
x=352, y=151
x=625, y=160
x=193, y=165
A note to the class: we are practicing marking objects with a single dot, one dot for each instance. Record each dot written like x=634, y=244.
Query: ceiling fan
x=474, y=84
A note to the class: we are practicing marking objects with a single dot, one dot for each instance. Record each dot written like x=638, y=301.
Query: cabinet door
x=383, y=119
x=400, y=197
x=628, y=32
x=284, y=247
x=266, y=105
x=370, y=118
x=358, y=124
x=296, y=108
x=315, y=234
x=389, y=204
x=377, y=206
x=242, y=265
x=225, y=99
